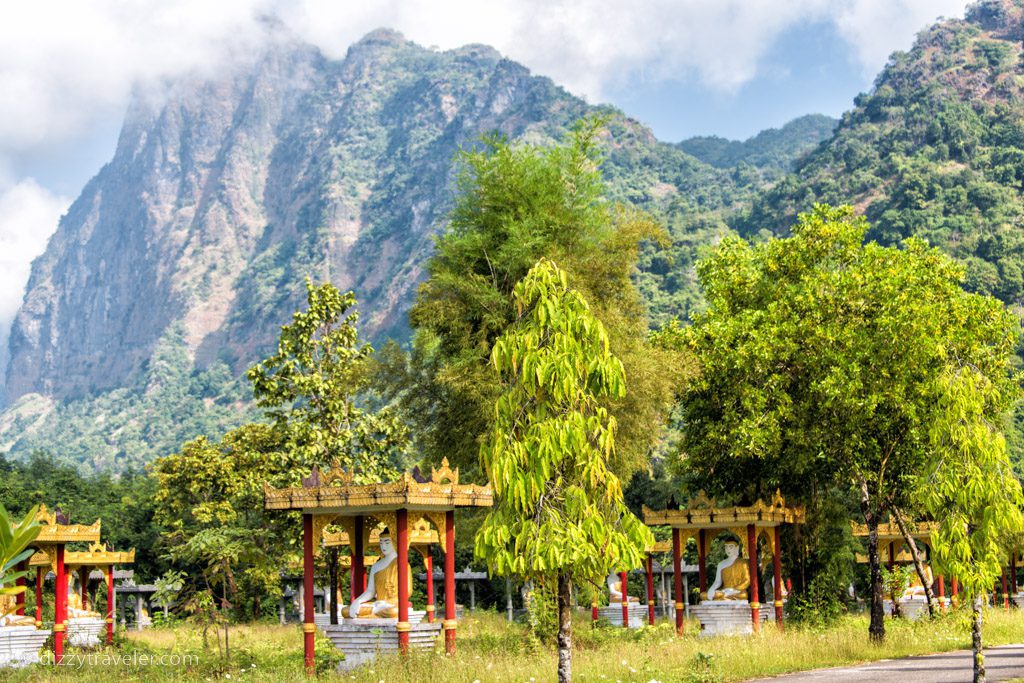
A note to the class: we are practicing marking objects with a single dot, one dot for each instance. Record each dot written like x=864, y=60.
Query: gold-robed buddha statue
x=732, y=577
x=76, y=610
x=380, y=599
x=8, y=607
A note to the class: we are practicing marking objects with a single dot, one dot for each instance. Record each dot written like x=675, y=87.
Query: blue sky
x=809, y=70
x=684, y=67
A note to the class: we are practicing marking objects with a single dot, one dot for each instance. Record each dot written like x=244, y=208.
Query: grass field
x=491, y=650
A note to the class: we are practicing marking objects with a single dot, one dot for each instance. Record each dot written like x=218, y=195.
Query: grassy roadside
x=491, y=651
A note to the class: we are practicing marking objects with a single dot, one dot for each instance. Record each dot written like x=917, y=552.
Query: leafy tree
x=308, y=389
x=820, y=358
x=970, y=487
x=559, y=517
x=515, y=205
x=210, y=494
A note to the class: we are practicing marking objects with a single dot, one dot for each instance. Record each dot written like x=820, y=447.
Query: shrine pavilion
x=333, y=498
x=892, y=550
x=703, y=520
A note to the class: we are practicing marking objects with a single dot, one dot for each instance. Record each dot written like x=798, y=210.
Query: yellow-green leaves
x=969, y=486
x=558, y=507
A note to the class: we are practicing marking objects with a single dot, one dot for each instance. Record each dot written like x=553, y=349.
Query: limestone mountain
x=174, y=269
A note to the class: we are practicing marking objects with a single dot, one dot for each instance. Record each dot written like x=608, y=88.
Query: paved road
x=1001, y=663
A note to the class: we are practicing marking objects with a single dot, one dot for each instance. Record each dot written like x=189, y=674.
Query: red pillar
x=942, y=593
x=593, y=609
x=777, y=585
x=19, y=599
x=308, y=624
x=402, y=540
x=650, y=589
x=677, y=580
x=39, y=597
x=429, y=564
x=60, y=608
x=624, y=583
x=1006, y=596
x=449, y=582
x=110, y=605
x=702, y=561
x=755, y=606
x=955, y=588
x=357, y=575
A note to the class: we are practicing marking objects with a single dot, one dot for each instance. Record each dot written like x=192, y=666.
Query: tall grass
x=490, y=650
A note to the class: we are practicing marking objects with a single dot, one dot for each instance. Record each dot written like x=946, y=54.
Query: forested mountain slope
x=935, y=150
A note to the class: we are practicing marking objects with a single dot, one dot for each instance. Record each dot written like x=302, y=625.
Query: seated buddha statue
x=76, y=610
x=380, y=599
x=8, y=605
x=732, y=578
x=915, y=590
x=615, y=590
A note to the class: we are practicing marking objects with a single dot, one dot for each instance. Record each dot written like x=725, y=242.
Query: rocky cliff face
x=174, y=269
x=219, y=201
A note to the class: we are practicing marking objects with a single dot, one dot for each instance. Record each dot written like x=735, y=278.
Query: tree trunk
x=332, y=572
x=918, y=565
x=877, y=627
x=564, y=628
x=979, y=657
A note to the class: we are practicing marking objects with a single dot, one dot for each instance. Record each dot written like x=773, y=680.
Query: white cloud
x=28, y=216
x=877, y=28
x=63, y=64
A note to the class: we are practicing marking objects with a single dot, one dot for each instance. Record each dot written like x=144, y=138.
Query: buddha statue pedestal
x=85, y=632
x=362, y=640
x=20, y=645
x=1018, y=599
x=613, y=613
x=726, y=617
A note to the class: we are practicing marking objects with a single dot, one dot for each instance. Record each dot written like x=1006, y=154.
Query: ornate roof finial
x=445, y=473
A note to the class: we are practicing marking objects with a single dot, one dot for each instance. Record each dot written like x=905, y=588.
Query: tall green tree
x=971, y=489
x=559, y=516
x=309, y=388
x=209, y=499
x=820, y=358
x=515, y=204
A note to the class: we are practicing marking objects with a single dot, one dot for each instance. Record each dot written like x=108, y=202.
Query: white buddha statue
x=615, y=590
x=732, y=578
x=380, y=599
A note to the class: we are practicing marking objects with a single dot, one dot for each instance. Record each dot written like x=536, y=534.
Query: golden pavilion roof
x=52, y=533
x=335, y=493
x=704, y=513
x=95, y=556
x=920, y=531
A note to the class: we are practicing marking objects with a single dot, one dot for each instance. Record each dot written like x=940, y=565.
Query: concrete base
x=362, y=640
x=20, y=645
x=914, y=608
x=1018, y=599
x=613, y=613
x=85, y=632
x=726, y=617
